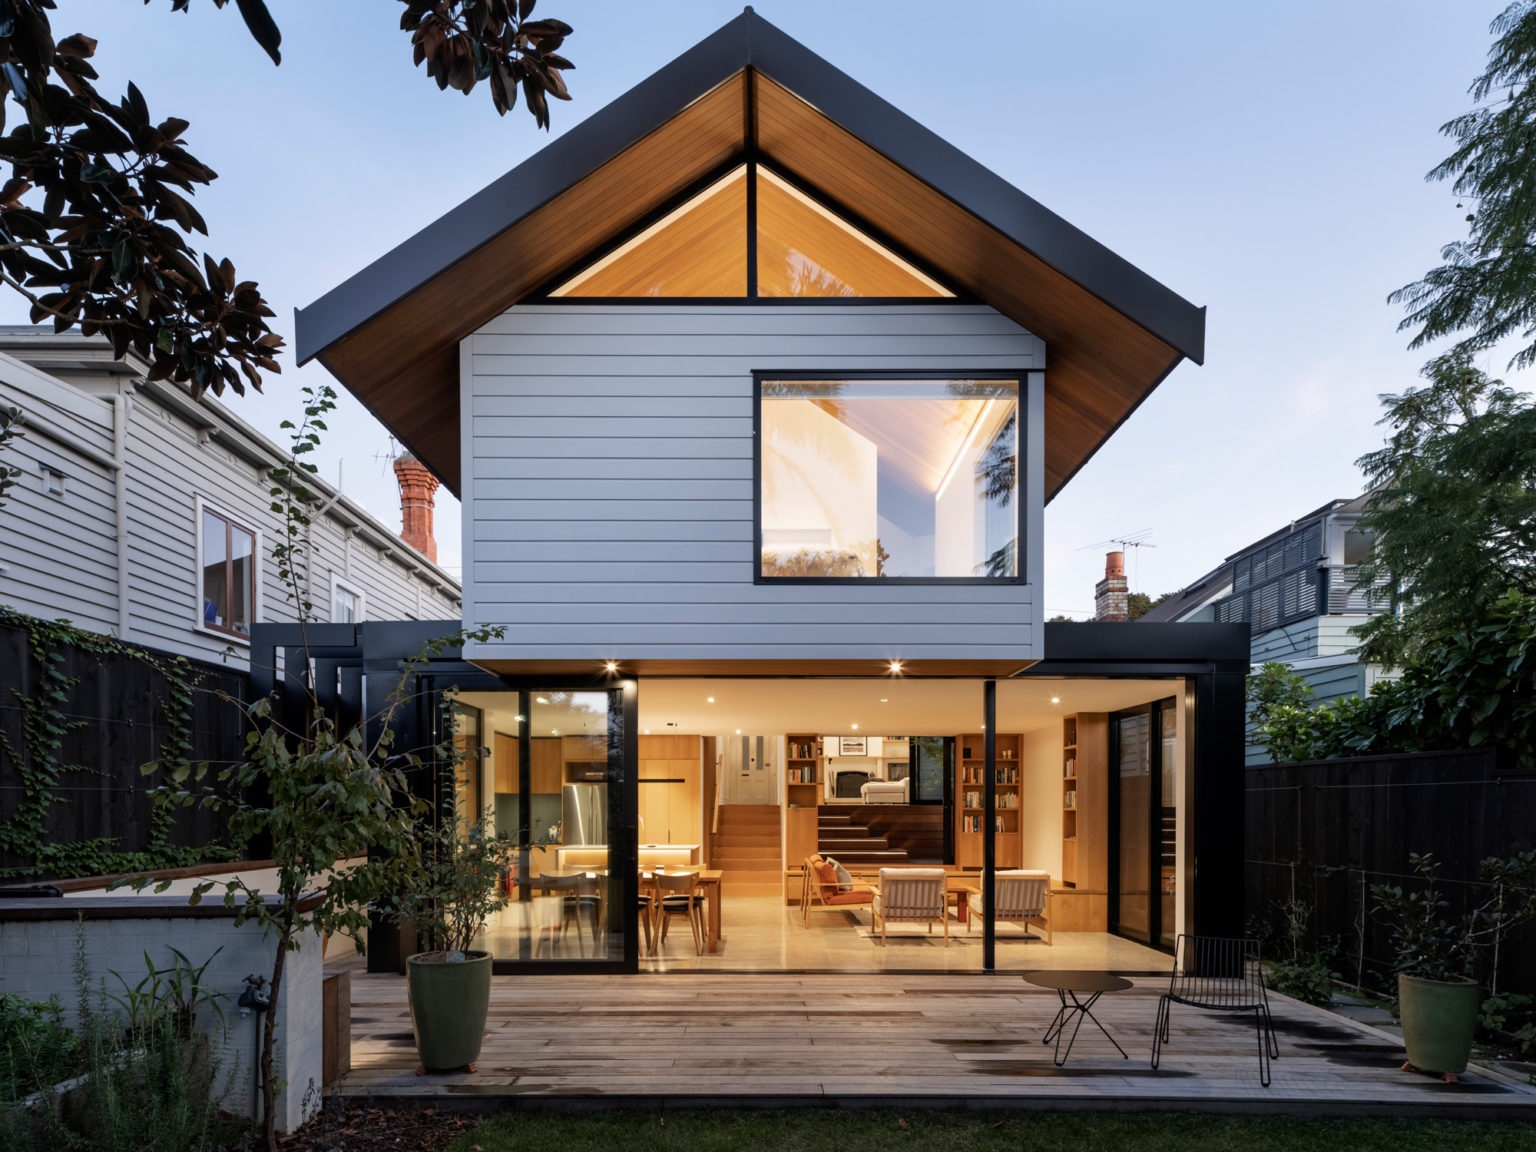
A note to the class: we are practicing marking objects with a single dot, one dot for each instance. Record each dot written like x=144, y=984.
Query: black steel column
x=525, y=938
x=624, y=848
x=989, y=826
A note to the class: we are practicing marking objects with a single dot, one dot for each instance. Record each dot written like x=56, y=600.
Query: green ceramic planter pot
x=449, y=1003
x=1439, y=1018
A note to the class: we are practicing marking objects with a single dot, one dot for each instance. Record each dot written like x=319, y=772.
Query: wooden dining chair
x=579, y=901
x=679, y=895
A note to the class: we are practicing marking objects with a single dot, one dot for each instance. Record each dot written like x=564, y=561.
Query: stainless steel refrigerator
x=584, y=814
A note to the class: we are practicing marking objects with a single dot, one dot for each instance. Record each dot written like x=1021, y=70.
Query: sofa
x=884, y=792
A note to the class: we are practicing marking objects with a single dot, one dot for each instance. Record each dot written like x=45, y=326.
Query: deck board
x=941, y=1040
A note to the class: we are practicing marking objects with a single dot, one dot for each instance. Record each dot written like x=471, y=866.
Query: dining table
x=709, y=880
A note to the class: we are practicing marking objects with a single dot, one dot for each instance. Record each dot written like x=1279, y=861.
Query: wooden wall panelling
x=544, y=767
x=504, y=762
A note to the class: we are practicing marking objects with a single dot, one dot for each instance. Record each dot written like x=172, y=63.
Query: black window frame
x=1022, y=492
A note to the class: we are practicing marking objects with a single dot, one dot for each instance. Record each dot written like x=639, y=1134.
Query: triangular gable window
x=805, y=250
x=699, y=249
x=703, y=249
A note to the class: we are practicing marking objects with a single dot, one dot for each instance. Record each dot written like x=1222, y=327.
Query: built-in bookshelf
x=1069, y=802
x=1085, y=802
x=802, y=769
x=970, y=785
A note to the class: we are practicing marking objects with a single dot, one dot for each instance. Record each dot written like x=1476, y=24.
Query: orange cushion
x=827, y=876
x=856, y=897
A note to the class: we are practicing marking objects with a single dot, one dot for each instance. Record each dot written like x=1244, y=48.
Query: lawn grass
x=813, y=1130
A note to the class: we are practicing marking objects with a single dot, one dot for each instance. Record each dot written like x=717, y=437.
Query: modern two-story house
x=754, y=391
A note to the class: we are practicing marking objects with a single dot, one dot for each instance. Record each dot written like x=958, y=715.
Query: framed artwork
x=850, y=746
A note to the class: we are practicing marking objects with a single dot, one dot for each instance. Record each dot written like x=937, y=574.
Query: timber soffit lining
x=390, y=333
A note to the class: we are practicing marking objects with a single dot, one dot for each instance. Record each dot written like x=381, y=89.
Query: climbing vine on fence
x=40, y=766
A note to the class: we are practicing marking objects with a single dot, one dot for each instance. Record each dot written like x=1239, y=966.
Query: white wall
x=39, y=959
x=608, y=485
x=1040, y=794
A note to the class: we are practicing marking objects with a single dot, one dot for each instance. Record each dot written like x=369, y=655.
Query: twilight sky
x=1264, y=160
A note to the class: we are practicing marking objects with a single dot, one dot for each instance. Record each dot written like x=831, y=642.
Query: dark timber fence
x=120, y=711
x=1324, y=831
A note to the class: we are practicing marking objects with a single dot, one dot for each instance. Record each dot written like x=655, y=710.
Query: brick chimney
x=1110, y=595
x=418, y=490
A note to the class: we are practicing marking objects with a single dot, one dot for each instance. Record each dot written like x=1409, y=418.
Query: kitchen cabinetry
x=669, y=789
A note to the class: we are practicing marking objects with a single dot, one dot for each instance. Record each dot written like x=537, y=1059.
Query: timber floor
x=689, y=1040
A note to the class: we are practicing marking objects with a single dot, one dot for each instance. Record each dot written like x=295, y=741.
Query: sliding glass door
x=557, y=775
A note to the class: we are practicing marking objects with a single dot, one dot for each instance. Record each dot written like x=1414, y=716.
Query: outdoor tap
x=254, y=996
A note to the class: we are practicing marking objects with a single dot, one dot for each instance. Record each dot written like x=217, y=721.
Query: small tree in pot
x=1438, y=954
x=450, y=886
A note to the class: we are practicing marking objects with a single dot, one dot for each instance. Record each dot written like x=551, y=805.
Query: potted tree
x=450, y=885
x=1437, y=954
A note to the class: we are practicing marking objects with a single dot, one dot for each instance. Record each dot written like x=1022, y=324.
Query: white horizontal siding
x=608, y=503
x=58, y=551
x=58, y=554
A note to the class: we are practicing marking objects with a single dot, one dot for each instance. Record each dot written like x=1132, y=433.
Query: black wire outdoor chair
x=1220, y=975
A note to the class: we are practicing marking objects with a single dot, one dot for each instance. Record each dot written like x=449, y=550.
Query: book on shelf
x=1070, y=769
x=1069, y=800
x=802, y=750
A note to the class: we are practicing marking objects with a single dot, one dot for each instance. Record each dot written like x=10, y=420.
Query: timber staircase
x=748, y=849
x=881, y=834
x=850, y=841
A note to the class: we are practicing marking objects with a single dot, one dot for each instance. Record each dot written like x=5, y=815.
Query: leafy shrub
x=1309, y=980
x=1472, y=688
x=36, y=1049
x=1512, y=1016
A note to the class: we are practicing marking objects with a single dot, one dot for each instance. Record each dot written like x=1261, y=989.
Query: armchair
x=911, y=894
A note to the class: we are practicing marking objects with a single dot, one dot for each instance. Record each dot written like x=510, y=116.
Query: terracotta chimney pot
x=418, y=492
x=1111, y=596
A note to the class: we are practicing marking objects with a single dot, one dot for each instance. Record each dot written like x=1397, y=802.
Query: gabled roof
x=390, y=333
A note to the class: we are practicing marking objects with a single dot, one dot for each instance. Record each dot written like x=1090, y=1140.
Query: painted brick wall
x=37, y=960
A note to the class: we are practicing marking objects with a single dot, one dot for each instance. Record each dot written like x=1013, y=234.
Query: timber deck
x=859, y=1040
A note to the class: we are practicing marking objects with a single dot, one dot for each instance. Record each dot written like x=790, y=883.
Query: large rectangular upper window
x=889, y=478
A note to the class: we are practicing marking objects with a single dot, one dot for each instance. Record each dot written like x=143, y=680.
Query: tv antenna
x=1129, y=540
x=384, y=460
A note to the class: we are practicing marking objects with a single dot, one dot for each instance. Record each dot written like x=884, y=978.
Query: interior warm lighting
x=1055, y=699
x=805, y=250
x=738, y=731
x=554, y=731
x=855, y=727
x=699, y=249
x=954, y=465
x=611, y=665
x=540, y=700
x=647, y=731
x=519, y=718
x=884, y=700
x=895, y=665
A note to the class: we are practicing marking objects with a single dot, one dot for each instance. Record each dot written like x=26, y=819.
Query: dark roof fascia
x=1187, y=597
x=1293, y=527
x=1222, y=645
x=978, y=190
x=558, y=166
x=750, y=41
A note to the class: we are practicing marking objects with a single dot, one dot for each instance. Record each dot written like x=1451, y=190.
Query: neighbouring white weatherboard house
x=145, y=514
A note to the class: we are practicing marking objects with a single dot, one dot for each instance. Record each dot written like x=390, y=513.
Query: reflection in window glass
x=215, y=612
x=345, y=608
x=889, y=478
x=228, y=565
x=805, y=250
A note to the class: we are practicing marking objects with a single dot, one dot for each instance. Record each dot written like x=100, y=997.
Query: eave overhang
x=390, y=333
